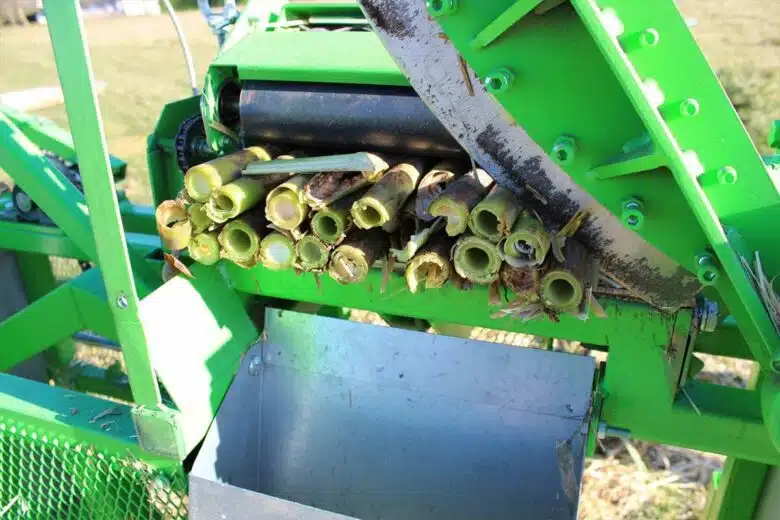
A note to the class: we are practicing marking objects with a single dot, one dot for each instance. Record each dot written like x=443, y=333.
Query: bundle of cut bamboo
x=347, y=214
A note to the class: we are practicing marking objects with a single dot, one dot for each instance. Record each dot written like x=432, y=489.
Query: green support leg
x=737, y=491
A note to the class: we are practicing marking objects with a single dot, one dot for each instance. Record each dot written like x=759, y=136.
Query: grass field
x=141, y=61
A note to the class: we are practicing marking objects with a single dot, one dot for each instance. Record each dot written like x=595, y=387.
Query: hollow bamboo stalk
x=563, y=284
x=284, y=204
x=353, y=258
x=476, y=259
x=527, y=243
x=495, y=215
x=240, y=238
x=231, y=200
x=199, y=219
x=431, y=265
x=382, y=203
x=459, y=198
x=173, y=226
x=311, y=253
x=202, y=179
x=432, y=185
x=204, y=248
x=277, y=251
x=331, y=223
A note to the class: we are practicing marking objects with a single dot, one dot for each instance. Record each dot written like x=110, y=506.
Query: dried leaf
x=573, y=224
x=494, y=293
x=177, y=265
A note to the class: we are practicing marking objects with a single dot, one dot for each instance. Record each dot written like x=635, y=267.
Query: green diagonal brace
x=75, y=72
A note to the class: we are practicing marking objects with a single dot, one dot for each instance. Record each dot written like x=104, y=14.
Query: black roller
x=390, y=119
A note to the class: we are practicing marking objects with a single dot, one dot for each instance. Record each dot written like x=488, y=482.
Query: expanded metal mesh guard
x=50, y=476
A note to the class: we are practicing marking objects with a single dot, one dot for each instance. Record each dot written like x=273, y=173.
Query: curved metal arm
x=185, y=48
x=218, y=21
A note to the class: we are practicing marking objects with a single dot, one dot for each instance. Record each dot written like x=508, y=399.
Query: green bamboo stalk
x=433, y=184
x=528, y=242
x=231, y=200
x=457, y=200
x=204, y=248
x=382, y=203
x=199, y=219
x=240, y=238
x=351, y=261
x=311, y=253
x=204, y=178
x=284, y=205
x=431, y=265
x=476, y=259
x=371, y=166
x=332, y=222
x=495, y=215
x=173, y=225
x=563, y=284
x=277, y=251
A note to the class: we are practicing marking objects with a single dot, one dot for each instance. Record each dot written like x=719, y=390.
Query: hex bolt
x=706, y=269
x=685, y=108
x=499, y=81
x=564, y=150
x=708, y=316
x=255, y=364
x=121, y=301
x=441, y=7
x=639, y=40
x=633, y=215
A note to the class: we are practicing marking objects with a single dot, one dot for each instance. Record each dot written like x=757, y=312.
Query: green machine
x=247, y=394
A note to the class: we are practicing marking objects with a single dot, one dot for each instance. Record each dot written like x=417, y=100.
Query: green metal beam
x=46, y=185
x=49, y=137
x=38, y=326
x=75, y=72
x=34, y=238
x=737, y=491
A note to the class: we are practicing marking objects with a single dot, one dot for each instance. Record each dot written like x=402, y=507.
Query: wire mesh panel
x=52, y=477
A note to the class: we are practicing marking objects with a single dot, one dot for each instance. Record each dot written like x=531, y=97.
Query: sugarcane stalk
x=563, y=284
x=204, y=248
x=311, y=253
x=231, y=200
x=173, y=226
x=527, y=243
x=332, y=222
x=457, y=200
x=326, y=188
x=199, y=219
x=432, y=185
x=476, y=259
x=284, y=205
x=202, y=179
x=352, y=259
x=371, y=166
x=277, y=251
x=431, y=265
x=382, y=203
x=495, y=215
x=240, y=238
